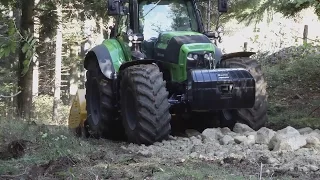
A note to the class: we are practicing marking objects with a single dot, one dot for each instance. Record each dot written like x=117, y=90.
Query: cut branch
x=4, y=96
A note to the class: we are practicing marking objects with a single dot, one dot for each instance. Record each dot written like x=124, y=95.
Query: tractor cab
x=161, y=18
x=144, y=25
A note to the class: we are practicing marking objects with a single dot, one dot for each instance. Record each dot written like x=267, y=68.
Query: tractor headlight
x=208, y=57
x=192, y=57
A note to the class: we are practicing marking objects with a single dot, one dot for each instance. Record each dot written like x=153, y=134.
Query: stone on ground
x=242, y=128
x=225, y=130
x=226, y=140
x=240, y=139
x=264, y=135
x=312, y=141
x=305, y=130
x=250, y=140
x=287, y=139
x=212, y=134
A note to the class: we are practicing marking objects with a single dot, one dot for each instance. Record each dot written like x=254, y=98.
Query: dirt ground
x=41, y=152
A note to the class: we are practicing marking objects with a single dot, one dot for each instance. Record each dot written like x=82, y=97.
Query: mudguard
x=110, y=57
x=237, y=54
x=219, y=56
x=132, y=63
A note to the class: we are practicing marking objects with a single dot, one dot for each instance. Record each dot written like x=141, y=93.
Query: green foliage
x=293, y=87
x=48, y=18
x=8, y=43
x=254, y=10
x=13, y=39
x=28, y=48
x=300, y=63
x=43, y=110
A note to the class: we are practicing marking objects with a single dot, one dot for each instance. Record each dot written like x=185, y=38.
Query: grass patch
x=293, y=87
x=45, y=143
x=297, y=117
x=197, y=171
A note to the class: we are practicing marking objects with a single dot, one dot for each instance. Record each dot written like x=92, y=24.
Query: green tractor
x=160, y=67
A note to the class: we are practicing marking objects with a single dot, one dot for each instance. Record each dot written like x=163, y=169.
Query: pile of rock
x=288, y=149
x=288, y=138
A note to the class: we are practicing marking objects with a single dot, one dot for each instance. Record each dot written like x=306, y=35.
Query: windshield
x=157, y=16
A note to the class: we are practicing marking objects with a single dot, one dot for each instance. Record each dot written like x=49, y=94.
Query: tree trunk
x=35, y=76
x=35, y=85
x=57, y=84
x=74, y=72
x=25, y=82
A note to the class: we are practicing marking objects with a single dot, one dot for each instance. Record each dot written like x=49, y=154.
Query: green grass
x=46, y=143
x=294, y=88
x=297, y=117
x=198, y=170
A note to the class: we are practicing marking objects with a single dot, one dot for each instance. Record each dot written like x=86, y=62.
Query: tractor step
x=217, y=89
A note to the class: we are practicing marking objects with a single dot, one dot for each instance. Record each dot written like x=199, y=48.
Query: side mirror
x=115, y=7
x=211, y=34
x=223, y=6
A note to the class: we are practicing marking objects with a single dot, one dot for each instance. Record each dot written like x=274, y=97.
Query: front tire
x=255, y=117
x=144, y=104
x=101, y=121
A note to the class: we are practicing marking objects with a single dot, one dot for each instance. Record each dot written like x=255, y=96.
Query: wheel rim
x=227, y=115
x=95, y=103
x=130, y=108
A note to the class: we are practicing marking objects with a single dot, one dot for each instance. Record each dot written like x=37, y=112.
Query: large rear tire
x=101, y=114
x=255, y=117
x=144, y=104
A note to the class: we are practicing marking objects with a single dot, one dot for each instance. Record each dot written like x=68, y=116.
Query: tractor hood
x=170, y=44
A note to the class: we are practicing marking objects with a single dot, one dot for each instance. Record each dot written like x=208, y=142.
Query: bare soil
x=67, y=157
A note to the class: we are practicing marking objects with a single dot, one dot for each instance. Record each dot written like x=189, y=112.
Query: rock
x=312, y=141
x=314, y=133
x=251, y=139
x=123, y=147
x=272, y=160
x=225, y=130
x=145, y=153
x=264, y=135
x=313, y=168
x=158, y=144
x=287, y=139
x=201, y=156
x=219, y=153
x=251, y=133
x=193, y=155
x=240, y=139
x=304, y=169
x=172, y=137
x=267, y=159
x=290, y=144
x=242, y=128
x=195, y=140
x=192, y=132
x=226, y=140
x=212, y=134
x=305, y=130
